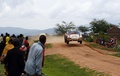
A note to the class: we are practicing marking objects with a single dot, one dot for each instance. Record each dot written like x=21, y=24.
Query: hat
x=43, y=34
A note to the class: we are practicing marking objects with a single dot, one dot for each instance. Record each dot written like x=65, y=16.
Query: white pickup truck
x=73, y=35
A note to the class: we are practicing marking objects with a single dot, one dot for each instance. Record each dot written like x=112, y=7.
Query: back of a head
x=26, y=37
x=16, y=42
x=10, y=41
x=2, y=35
x=42, y=39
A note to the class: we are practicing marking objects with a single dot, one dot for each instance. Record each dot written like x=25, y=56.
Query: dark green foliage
x=99, y=26
x=60, y=29
x=89, y=39
x=83, y=29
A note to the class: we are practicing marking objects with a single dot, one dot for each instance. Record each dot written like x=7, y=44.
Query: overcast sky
x=44, y=14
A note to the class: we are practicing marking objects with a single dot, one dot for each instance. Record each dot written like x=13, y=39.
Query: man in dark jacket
x=14, y=61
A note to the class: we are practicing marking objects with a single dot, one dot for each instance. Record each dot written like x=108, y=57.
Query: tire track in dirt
x=85, y=56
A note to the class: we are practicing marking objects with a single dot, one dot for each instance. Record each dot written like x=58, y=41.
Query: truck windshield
x=73, y=32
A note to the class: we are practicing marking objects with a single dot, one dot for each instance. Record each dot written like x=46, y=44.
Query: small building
x=114, y=31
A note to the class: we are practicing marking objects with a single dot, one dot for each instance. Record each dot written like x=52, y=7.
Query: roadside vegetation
x=117, y=55
x=97, y=32
x=92, y=43
x=1, y=70
x=48, y=45
x=57, y=65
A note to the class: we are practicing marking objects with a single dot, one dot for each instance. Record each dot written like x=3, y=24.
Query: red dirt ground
x=84, y=56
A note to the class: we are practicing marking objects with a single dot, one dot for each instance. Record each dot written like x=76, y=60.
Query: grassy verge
x=56, y=65
x=48, y=45
x=117, y=55
x=1, y=70
x=105, y=48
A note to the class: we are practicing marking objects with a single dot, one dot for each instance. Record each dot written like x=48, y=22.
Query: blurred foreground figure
x=33, y=66
x=8, y=47
x=14, y=62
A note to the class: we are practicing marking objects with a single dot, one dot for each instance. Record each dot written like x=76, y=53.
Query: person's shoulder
x=38, y=45
x=34, y=44
x=10, y=51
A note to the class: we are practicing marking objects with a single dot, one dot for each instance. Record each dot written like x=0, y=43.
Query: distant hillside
x=30, y=32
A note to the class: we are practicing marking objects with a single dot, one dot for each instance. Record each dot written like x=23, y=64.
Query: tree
x=99, y=26
x=60, y=29
x=83, y=29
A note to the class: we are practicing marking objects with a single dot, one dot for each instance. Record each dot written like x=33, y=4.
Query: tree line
x=96, y=26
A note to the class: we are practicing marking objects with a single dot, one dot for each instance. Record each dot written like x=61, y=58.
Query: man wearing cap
x=33, y=66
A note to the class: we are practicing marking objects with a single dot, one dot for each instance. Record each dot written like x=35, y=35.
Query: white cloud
x=43, y=14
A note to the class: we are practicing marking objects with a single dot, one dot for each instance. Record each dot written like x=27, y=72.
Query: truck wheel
x=67, y=42
x=80, y=42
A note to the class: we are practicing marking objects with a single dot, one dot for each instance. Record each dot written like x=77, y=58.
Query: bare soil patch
x=84, y=55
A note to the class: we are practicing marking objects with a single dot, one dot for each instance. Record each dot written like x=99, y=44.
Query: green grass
x=103, y=47
x=1, y=70
x=36, y=40
x=99, y=46
x=57, y=65
x=48, y=45
x=117, y=55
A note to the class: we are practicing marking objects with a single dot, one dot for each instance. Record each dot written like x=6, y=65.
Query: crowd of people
x=19, y=58
x=110, y=43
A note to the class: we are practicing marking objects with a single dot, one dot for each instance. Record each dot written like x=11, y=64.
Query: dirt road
x=84, y=56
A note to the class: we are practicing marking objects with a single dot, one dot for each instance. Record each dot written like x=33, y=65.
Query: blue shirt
x=34, y=62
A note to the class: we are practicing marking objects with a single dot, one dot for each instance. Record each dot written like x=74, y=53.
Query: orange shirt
x=7, y=47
